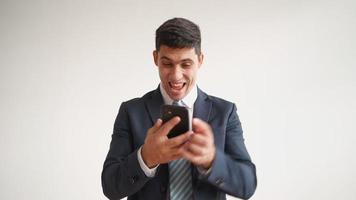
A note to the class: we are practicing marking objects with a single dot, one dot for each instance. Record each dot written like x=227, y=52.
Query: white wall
x=65, y=67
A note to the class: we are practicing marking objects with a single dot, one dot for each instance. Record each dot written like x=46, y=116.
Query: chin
x=177, y=96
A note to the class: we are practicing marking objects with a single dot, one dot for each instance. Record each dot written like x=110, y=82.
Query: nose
x=176, y=73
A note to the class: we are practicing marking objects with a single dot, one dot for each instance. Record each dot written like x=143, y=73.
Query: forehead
x=177, y=54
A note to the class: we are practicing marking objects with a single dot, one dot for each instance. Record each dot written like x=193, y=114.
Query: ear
x=200, y=59
x=155, y=57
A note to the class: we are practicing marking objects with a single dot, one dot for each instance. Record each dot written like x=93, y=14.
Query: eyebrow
x=184, y=60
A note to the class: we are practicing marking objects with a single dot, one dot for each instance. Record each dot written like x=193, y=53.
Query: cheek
x=191, y=75
x=163, y=74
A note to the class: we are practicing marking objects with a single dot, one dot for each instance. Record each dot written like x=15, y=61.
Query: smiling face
x=178, y=69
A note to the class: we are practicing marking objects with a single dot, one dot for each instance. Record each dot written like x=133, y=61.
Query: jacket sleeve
x=122, y=175
x=232, y=170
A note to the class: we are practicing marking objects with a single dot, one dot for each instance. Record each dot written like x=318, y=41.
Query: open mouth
x=176, y=86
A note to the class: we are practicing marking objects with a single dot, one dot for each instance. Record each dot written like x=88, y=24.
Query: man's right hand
x=158, y=149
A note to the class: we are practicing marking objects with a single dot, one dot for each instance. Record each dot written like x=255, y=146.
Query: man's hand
x=157, y=148
x=200, y=148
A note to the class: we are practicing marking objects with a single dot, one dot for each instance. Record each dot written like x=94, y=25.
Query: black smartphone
x=170, y=111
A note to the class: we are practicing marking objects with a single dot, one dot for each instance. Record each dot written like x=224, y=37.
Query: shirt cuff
x=149, y=172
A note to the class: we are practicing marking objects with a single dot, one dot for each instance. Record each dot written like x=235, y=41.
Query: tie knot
x=176, y=103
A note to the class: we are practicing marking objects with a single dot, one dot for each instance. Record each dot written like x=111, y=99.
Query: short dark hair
x=179, y=33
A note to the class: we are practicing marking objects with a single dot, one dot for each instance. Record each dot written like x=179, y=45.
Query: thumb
x=201, y=126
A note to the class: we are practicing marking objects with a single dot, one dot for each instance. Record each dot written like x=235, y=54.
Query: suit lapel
x=202, y=106
x=153, y=105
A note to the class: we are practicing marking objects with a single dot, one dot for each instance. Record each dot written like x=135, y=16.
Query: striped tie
x=180, y=178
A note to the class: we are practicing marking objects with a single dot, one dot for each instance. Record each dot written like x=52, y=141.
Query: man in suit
x=207, y=162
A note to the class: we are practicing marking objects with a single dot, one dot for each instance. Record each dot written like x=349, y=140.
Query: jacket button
x=219, y=181
x=163, y=189
x=133, y=179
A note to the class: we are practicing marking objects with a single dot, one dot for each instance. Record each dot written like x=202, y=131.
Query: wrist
x=209, y=163
x=146, y=158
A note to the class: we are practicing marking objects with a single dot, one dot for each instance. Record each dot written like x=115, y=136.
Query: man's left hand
x=200, y=149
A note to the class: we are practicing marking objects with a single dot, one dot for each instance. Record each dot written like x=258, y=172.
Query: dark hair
x=179, y=33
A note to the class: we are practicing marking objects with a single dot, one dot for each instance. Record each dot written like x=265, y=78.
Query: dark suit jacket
x=232, y=171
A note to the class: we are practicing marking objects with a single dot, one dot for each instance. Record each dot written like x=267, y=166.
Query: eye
x=186, y=64
x=166, y=64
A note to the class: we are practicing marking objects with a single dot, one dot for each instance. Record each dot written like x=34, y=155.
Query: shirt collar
x=188, y=100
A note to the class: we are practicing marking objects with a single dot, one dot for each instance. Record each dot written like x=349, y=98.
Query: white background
x=66, y=66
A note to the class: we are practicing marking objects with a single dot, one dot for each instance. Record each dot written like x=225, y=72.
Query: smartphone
x=170, y=111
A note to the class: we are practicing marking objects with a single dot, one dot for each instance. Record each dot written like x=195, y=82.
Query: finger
x=166, y=127
x=196, y=149
x=201, y=127
x=156, y=126
x=199, y=139
x=172, y=154
x=190, y=156
x=175, y=153
x=179, y=140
